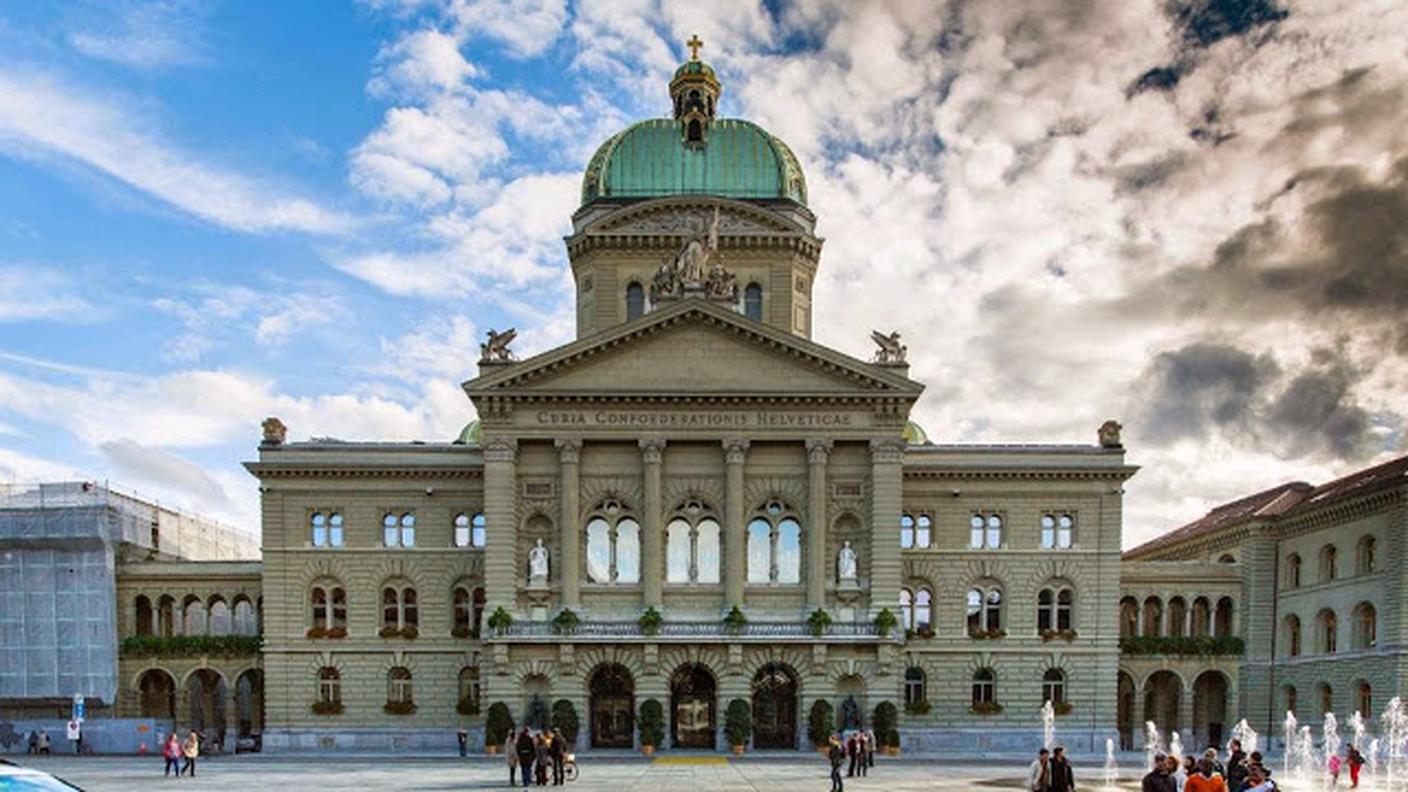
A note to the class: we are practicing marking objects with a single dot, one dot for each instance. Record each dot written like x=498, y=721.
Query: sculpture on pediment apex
x=891, y=350
x=495, y=349
x=1110, y=434
x=275, y=433
x=694, y=257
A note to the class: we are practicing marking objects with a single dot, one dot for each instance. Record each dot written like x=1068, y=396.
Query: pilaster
x=652, y=451
x=501, y=572
x=735, y=452
x=886, y=492
x=569, y=566
x=1257, y=683
x=818, y=451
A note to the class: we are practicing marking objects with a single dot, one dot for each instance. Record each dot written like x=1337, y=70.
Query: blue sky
x=213, y=212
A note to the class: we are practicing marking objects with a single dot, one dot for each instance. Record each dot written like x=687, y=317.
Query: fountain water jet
x=1151, y=743
x=1175, y=746
x=1331, y=732
x=1048, y=725
x=1112, y=768
x=1288, y=747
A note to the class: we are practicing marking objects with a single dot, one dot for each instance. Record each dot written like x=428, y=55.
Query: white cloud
x=39, y=114
x=28, y=293
x=527, y=27
x=146, y=35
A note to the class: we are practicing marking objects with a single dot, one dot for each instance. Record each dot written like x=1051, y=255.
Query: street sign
x=79, y=707
x=75, y=730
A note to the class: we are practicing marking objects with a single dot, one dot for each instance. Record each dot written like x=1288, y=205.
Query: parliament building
x=695, y=503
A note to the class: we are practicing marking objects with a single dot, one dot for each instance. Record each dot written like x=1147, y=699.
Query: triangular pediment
x=694, y=349
x=684, y=216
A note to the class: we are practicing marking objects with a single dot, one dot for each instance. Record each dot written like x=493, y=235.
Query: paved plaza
x=104, y=774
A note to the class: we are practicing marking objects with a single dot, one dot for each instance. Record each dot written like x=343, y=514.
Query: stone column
x=735, y=452
x=817, y=453
x=652, y=451
x=1257, y=680
x=569, y=562
x=886, y=494
x=501, y=569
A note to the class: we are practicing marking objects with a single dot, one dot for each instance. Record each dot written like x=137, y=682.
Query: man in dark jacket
x=1236, y=766
x=527, y=754
x=836, y=756
x=1158, y=779
x=853, y=751
x=559, y=755
x=1063, y=776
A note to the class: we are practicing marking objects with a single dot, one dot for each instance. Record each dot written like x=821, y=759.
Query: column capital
x=735, y=450
x=652, y=449
x=568, y=449
x=818, y=451
x=887, y=450
x=500, y=449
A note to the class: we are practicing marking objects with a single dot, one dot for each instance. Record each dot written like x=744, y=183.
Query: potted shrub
x=650, y=621
x=735, y=621
x=496, y=726
x=738, y=724
x=652, y=726
x=819, y=724
x=500, y=620
x=818, y=621
x=566, y=621
x=885, y=621
x=564, y=719
x=885, y=722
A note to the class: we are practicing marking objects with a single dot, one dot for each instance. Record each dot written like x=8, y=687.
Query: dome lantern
x=695, y=93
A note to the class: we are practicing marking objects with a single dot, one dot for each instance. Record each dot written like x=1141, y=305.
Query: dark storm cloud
x=1215, y=388
x=1201, y=24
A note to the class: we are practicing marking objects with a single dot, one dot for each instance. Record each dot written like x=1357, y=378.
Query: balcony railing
x=631, y=629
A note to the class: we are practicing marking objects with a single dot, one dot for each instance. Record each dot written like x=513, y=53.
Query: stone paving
x=676, y=774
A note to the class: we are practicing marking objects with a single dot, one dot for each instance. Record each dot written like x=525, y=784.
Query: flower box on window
x=986, y=635
x=1048, y=636
x=398, y=707
x=985, y=708
x=327, y=708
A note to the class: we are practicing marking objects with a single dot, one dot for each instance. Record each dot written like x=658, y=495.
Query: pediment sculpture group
x=698, y=267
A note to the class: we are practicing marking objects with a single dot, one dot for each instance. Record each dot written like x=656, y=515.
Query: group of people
x=859, y=748
x=180, y=755
x=1051, y=771
x=39, y=741
x=1242, y=772
x=536, y=756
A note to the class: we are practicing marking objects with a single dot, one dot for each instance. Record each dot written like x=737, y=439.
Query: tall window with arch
x=1364, y=698
x=469, y=530
x=985, y=531
x=1054, y=605
x=613, y=545
x=1329, y=561
x=325, y=529
x=1329, y=631
x=753, y=302
x=1129, y=617
x=1292, y=636
x=775, y=545
x=635, y=301
x=1057, y=531
x=1365, y=560
x=398, y=530
x=468, y=608
x=1293, y=571
x=329, y=686
x=985, y=611
x=398, y=686
x=1053, y=686
x=692, y=549
x=915, y=694
x=916, y=531
x=984, y=688
x=399, y=609
x=329, y=611
x=1366, y=627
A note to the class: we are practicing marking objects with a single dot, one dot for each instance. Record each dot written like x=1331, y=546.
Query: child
x=1334, y=771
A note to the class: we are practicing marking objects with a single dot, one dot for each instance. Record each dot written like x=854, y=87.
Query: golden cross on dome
x=694, y=44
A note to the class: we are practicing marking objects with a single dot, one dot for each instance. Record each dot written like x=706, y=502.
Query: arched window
x=1177, y=617
x=1129, y=617
x=923, y=531
x=984, y=612
x=1057, y=531
x=246, y=621
x=194, y=621
x=984, y=688
x=326, y=529
x=398, y=686
x=692, y=546
x=399, y=610
x=1153, y=616
x=1226, y=558
x=1053, y=609
x=906, y=532
x=1293, y=570
x=613, y=545
x=1327, y=698
x=635, y=301
x=1364, y=698
x=469, y=689
x=1222, y=621
x=923, y=610
x=1366, y=626
x=1364, y=556
x=1290, y=692
x=1053, y=686
x=329, y=685
x=461, y=530
x=753, y=302
x=463, y=615
x=166, y=623
x=1293, y=636
x=398, y=531
x=695, y=132
x=985, y=532
x=914, y=692
x=1202, y=617
x=219, y=617
x=775, y=546
x=1329, y=558
x=143, y=612
x=1329, y=640
x=907, y=609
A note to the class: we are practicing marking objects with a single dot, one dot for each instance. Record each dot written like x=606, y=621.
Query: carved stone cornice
x=735, y=450
x=500, y=449
x=887, y=451
x=818, y=451
x=652, y=450
x=267, y=470
x=569, y=450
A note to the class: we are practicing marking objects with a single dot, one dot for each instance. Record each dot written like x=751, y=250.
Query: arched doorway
x=156, y=692
x=774, y=707
x=612, y=706
x=207, y=692
x=1210, y=708
x=692, y=707
x=1124, y=710
x=249, y=703
x=1161, y=693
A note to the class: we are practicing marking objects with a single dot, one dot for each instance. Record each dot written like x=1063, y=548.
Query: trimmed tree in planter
x=496, y=726
x=650, y=621
x=885, y=621
x=885, y=722
x=819, y=723
x=500, y=620
x=652, y=726
x=738, y=724
x=564, y=719
x=818, y=621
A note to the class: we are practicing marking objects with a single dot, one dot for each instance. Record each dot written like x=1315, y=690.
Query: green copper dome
x=471, y=434
x=914, y=434
x=694, y=67
x=651, y=159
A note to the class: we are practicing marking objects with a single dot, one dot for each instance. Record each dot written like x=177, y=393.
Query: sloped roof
x=1390, y=473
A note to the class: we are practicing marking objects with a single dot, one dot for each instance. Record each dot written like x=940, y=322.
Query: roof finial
x=694, y=44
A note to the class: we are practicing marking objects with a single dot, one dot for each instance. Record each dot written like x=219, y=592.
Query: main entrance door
x=692, y=706
x=774, y=707
x=612, y=707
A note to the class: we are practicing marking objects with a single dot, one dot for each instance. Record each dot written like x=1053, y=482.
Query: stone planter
x=647, y=750
x=737, y=750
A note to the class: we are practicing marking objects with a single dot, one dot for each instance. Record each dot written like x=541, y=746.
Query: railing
x=630, y=629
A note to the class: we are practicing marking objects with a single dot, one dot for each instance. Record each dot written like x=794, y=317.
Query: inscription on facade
x=650, y=419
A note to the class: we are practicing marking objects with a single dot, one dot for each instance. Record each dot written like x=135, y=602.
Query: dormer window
x=695, y=132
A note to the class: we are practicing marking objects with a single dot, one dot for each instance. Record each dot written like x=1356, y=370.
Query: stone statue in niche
x=846, y=562
x=538, y=562
x=850, y=714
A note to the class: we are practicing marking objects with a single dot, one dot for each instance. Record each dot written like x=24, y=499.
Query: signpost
x=79, y=707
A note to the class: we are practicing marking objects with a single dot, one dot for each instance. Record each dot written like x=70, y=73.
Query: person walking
x=34, y=742
x=1332, y=766
x=544, y=758
x=511, y=751
x=870, y=745
x=44, y=741
x=836, y=756
x=190, y=749
x=1236, y=766
x=171, y=752
x=1355, y=760
x=559, y=757
x=853, y=753
x=1039, y=774
x=1158, y=779
x=1063, y=776
x=1259, y=780
x=1207, y=779
x=527, y=753
x=1180, y=772
x=462, y=737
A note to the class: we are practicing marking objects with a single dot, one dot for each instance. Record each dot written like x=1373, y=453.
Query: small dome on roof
x=471, y=434
x=694, y=67
x=914, y=434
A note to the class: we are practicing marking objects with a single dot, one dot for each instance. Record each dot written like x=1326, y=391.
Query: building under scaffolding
x=59, y=548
